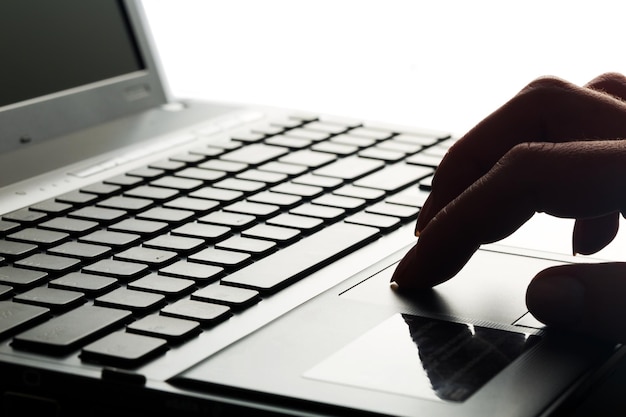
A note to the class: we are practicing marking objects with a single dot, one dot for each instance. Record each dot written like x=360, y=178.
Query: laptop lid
x=74, y=77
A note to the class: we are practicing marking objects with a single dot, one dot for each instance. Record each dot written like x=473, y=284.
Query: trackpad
x=424, y=358
x=491, y=288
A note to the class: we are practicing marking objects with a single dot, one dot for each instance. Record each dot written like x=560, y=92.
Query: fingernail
x=394, y=285
x=417, y=233
x=556, y=300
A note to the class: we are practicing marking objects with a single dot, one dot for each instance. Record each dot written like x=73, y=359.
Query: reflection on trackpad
x=425, y=358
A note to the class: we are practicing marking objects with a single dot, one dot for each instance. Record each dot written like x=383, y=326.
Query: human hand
x=556, y=148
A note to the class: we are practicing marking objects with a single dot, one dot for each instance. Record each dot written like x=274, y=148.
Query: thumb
x=583, y=298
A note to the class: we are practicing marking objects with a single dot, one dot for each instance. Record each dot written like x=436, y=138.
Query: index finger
x=547, y=110
x=573, y=179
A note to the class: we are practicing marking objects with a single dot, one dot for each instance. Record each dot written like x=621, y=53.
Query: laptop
x=179, y=257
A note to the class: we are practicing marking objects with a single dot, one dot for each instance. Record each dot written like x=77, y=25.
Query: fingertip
x=556, y=300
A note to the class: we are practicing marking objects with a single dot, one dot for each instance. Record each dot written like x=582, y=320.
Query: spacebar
x=302, y=258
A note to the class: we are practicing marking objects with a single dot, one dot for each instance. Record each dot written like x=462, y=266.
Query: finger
x=593, y=234
x=547, y=110
x=584, y=298
x=573, y=180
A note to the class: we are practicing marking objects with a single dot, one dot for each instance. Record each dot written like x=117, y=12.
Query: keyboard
x=124, y=268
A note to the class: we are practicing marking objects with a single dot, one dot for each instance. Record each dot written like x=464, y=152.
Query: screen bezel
x=39, y=119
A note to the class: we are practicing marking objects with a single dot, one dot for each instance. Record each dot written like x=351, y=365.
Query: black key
x=234, y=297
x=282, y=168
x=151, y=257
x=327, y=183
x=178, y=183
x=196, y=205
x=97, y=214
x=256, y=247
x=152, y=193
x=302, y=258
x=424, y=160
x=168, y=165
x=351, y=140
x=423, y=140
x=77, y=198
x=369, y=194
x=263, y=176
x=412, y=196
x=71, y=226
x=5, y=291
x=386, y=155
x=15, y=249
x=188, y=158
x=167, y=215
x=346, y=203
x=329, y=214
x=83, y=251
x=48, y=263
x=21, y=278
x=248, y=137
x=202, y=312
x=226, y=166
x=233, y=220
x=15, y=317
x=8, y=227
x=335, y=148
x=305, y=224
x=205, y=175
x=168, y=328
x=259, y=210
x=52, y=207
x=404, y=147
x=350, y=168
x=131, y=204
x=245, y=186
x=375, y=134
x=160, y=284
x=313, y=135
x=287, y=142
x=384, y=223
x=276, y=199
x=403, y=212
x=223, y=258
x=109, y=238
x=308, y=158
x=101, y=189
x=194, y=271
x=124, y=181
x=179, y=244
x=277, y=234
x=307, y=191
x=208, y=232
x=331, y=128
x=25, y=216
x=394, y=177
x=146, y=173
x=141, y=227
x=86, y=283
x=117, y=269
x=68, y=331
x=39, y=236
x=255, y=154
x=124, y=349
x=217, y=194
x=136, y=301
x=52, y=298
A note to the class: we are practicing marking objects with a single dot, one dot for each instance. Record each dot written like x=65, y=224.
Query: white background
x=441, y=64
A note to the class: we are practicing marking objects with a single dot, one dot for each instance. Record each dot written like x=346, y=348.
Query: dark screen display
x=50, y=46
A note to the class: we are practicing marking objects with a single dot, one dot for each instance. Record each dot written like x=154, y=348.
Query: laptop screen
x=72, y=66
x=67, y=44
